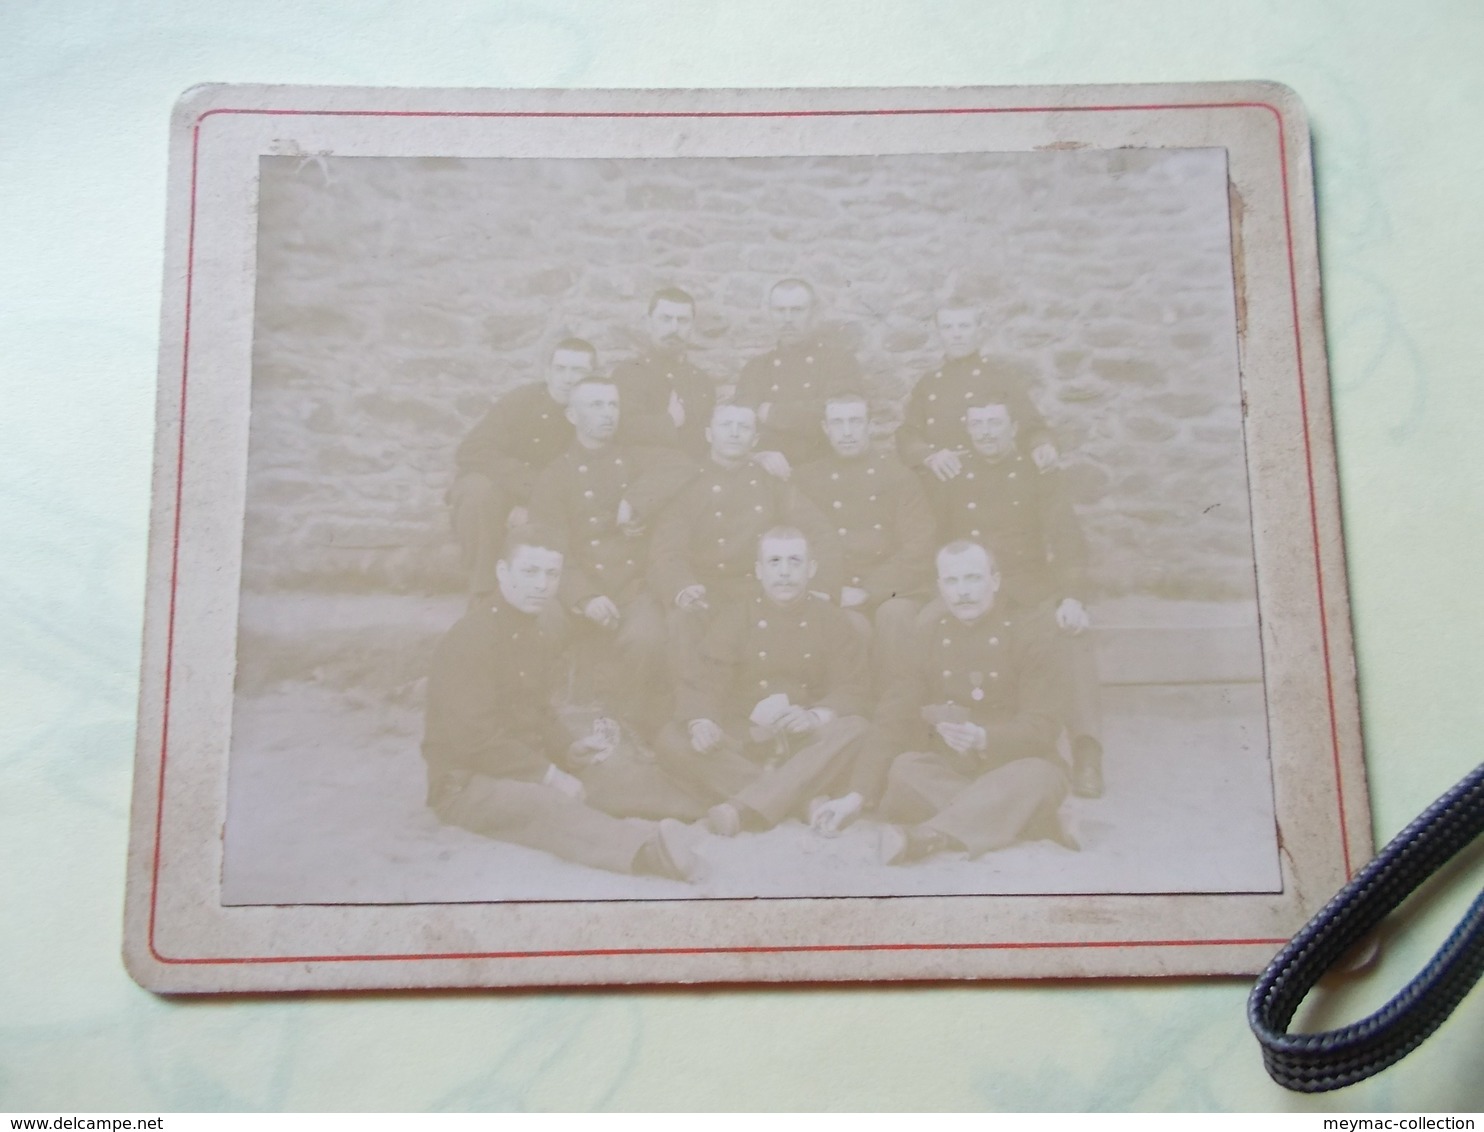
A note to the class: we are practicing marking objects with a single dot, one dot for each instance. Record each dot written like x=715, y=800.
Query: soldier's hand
x=1044, y=455
x=692, y=598
x=596, y=746
x=1071, y=616
x=944, y=464
x=964, y=737
x=602, y=611
x=852, y=596
x=764, y=411
x=677, y=409
x=564, y=783
x=518, y=517
x=774, y=463
x=704, y=735
x=805, y=721
x=627, y=522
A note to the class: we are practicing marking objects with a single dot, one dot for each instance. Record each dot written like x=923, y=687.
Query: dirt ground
x=326, y=806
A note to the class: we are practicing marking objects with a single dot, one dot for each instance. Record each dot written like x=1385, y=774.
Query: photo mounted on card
x=683, y=536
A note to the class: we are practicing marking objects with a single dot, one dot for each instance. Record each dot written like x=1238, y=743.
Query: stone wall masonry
x=397, y=297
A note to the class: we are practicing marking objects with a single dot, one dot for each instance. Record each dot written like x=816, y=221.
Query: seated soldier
x=975, y=710
x=601, y=496
x=504, y=453
x=882, y=518
x=501, y=764
x=769, y=718
x=1024, y=518
x=705, y=542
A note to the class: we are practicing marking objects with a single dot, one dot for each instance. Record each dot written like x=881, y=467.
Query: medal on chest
x=976, y=680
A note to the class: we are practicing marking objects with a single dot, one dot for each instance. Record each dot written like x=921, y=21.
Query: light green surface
x=1395, y=92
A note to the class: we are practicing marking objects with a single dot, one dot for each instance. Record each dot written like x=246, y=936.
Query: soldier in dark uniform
x=771, y=715
x=976, y=712
x=705, y=543
x=787, y=387
x=602, y=495
x=667, y=401
x=1023, y=515
x=501, y=764
x=882, y=519
x=500, y=458
x=931, y=433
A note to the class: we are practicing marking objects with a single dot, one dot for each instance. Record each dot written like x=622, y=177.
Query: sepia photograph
x=694, y=536
x=746, y=527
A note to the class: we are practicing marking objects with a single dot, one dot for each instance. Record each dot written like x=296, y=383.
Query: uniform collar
x=992, y=618
x=812, y=345
x=762, y=601
x=578, y=453
x=1010, y=463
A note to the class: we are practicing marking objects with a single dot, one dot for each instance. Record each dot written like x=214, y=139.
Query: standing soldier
x=770, y=716
x=500, y=458
x=601, y=496
x=931, y=434
x=787, y=387
x=883, y=521
x=667, y=401
x=975, y=711
x=499, y=762
x=1024, y=518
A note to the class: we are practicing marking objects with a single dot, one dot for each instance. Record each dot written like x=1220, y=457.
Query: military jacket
x=933, y=419
x=796, y=380
x=709, y=533
x=645, y=384
x=579, y=494
x=1024, y=518
x=489, y=699
x=520, y=435
x=998, y=672
x=881, y=517
x=755, y=648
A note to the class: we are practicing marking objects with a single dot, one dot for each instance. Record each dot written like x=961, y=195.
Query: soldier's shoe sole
x=1087, y=782
x=677, y=843
x=891, y=845
x=829, y=823
x=724, y=820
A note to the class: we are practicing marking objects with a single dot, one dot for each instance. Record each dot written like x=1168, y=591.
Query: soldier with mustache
x=667, y=401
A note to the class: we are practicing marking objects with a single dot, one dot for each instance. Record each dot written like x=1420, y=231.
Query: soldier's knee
x=896, y=615
x=672, y=744
x=473, y=489
x=905, y=766
x=848, y=727
x=1042, y=777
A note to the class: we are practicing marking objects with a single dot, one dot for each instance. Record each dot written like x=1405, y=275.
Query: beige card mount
x=353, y=276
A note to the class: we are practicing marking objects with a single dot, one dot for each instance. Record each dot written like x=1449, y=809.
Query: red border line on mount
x=801, y=949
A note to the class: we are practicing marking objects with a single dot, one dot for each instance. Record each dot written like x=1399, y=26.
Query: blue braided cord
x=1332, y=1059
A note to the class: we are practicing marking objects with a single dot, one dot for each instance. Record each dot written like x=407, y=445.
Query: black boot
x=1087, y=767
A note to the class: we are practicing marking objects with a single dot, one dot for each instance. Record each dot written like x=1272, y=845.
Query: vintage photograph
x=747, y=527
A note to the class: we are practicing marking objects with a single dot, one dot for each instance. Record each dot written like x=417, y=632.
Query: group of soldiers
x=693, y=616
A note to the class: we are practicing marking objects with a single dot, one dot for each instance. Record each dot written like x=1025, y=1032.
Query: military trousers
x=542, y=817
x=888, y=634
x=1081, y=707
x=626, y=668
x=630, y=783
x=981, y=810
x=771, y=780
x=481, y=509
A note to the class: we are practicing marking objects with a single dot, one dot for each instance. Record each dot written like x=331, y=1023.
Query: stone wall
x=398, y=296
